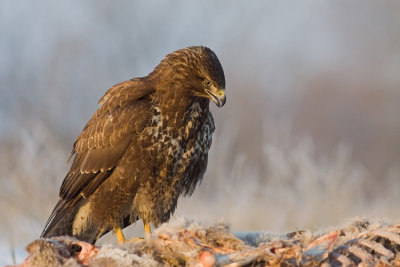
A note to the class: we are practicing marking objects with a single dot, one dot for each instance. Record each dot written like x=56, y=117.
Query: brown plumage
x=145, y=145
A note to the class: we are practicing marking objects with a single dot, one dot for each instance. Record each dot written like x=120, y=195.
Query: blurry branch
x=12, y=250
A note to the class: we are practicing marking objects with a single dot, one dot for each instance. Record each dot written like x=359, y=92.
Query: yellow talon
x=136, y=239
x=120, y=235
x=147, y=230
x=121, y=238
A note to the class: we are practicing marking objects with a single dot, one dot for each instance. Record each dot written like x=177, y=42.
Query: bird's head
x=197, y=71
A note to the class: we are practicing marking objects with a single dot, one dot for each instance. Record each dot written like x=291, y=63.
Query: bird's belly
x=174, y=158
x=157, y=193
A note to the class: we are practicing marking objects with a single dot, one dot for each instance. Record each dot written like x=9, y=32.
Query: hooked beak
x=217, y=95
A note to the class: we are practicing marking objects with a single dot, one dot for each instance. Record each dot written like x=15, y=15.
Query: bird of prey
x=146, y=145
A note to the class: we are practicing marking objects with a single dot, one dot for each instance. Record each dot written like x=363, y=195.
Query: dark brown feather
x=146, y=145
x=106, y=137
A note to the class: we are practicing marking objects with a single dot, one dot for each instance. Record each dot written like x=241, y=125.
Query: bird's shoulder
x=124, y=108
x=123, y=94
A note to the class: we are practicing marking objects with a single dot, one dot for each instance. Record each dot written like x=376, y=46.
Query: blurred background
x=309, y=138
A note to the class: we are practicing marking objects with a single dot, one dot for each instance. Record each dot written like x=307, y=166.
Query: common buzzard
x=146, y=145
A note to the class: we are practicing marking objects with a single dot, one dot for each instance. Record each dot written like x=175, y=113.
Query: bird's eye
x=208, y=83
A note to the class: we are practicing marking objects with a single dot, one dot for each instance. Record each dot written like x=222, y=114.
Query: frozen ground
x=187, y=242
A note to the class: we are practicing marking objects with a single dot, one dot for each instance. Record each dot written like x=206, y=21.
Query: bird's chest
x=176, y=138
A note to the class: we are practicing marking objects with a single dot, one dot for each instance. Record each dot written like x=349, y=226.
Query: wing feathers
x=103, y=159
x=106, y=137
x=94, y=183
